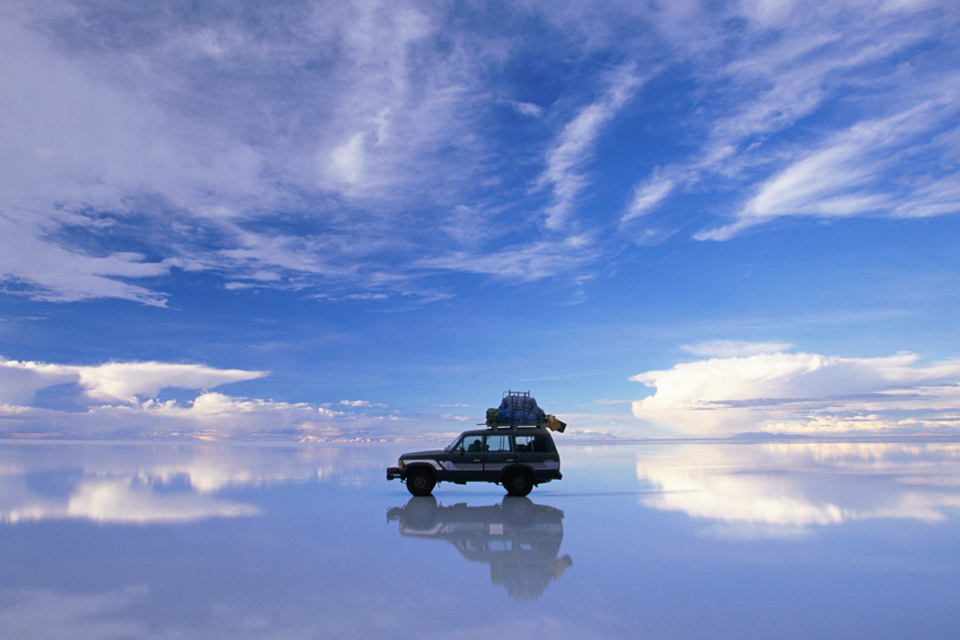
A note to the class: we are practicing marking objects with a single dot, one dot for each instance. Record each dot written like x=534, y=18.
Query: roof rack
x=517, y=410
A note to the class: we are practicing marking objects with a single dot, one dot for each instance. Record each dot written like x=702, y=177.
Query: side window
x=498, y=444
x=524, y=444
x=542, y=444
x=471, y=444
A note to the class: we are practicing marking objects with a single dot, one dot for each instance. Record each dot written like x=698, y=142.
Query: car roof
x=520, y=431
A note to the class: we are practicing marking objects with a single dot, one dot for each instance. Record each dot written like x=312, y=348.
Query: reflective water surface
x=766, y=540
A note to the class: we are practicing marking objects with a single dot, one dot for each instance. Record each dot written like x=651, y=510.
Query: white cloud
x=368, y=122
x=113, y=381
x=794, y=65
x=20, y=381
x=647, y=195
x=803, y=392
x=360, y=403
x=733, y=348
x=526, y=262
x=82, y=145
x=58, y=275
x=116, y=137
x=120, y=400
x=526, y=108
x=567, y=158
x=852, y=175
x=126, y=380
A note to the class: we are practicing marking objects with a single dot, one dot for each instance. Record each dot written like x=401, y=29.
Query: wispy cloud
x=528, y=262
x=326, y=147
x=758, y=123
x=859, y=171
x=735, y=348
x=567, y=158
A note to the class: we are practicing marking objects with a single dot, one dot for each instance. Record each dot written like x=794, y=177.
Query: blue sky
x=316, y=220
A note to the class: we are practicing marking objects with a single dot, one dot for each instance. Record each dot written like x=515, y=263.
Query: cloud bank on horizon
x=740, y=387
x=122, y=400
x=366, y=147
x=765, y=387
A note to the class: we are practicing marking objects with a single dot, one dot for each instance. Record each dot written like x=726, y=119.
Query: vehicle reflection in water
x=520, y=540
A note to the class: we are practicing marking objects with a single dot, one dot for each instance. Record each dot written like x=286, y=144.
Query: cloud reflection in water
x=790, y=488
x=151, y=484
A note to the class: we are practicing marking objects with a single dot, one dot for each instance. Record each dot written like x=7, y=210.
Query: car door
x=537, y=451
x=465, y=462
x=497, y=454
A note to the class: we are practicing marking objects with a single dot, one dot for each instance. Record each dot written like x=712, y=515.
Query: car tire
x=518, y=511
x=518, y=483
x=420, y=512
x=420, y=482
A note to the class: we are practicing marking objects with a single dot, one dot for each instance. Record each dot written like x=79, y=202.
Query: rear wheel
x=518, y=483
x=420, y=481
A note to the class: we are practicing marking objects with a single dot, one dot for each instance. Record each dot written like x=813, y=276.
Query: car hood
x=424, y=454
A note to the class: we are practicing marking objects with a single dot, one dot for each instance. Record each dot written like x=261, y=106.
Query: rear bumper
x=393, y=473
x=546, y=475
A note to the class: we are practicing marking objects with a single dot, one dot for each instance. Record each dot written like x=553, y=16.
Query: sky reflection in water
x=667, y=540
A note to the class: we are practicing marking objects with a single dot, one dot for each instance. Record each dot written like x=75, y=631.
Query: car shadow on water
x=519, y=539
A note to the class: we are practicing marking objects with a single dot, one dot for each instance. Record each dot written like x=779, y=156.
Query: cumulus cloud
x=121, y=400
x=802, y=392
x=112, y=381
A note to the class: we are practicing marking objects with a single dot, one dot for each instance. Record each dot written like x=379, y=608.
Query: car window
x=471, y=444
x=543, y=444
x=524, y=444
x=498, y=444
x=534, y=444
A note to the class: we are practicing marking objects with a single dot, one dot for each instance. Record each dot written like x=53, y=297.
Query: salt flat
x=681, y=540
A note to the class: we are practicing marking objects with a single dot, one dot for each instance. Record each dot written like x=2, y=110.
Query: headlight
x=400, y=464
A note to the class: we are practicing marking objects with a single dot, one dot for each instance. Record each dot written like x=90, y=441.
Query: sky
x=335, y=220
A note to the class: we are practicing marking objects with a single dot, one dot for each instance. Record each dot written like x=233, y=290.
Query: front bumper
x=393, y=473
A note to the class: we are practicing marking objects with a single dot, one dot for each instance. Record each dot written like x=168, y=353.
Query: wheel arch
x=519, y=468
x=420, y=464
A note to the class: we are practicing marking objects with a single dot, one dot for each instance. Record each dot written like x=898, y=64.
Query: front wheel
x=420, y=482
x=518, y=483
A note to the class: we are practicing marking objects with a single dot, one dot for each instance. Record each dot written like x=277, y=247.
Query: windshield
x=453, y=445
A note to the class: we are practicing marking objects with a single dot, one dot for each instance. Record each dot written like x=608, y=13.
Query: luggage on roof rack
x=519, y=409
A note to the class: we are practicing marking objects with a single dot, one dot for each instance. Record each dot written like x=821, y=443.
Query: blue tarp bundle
x=520, y=409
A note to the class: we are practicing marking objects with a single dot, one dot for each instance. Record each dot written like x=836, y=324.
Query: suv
x=516, y=457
